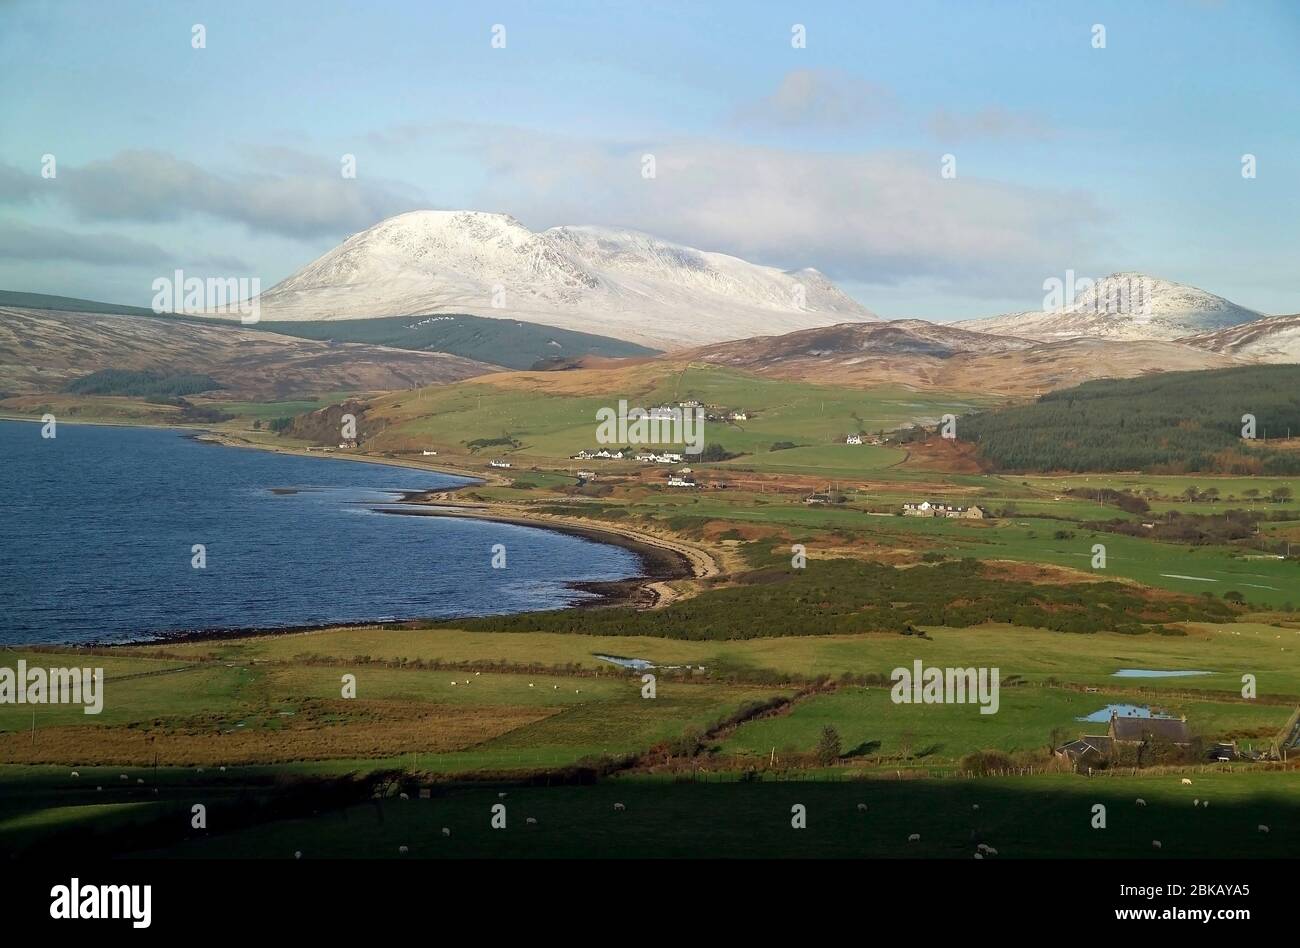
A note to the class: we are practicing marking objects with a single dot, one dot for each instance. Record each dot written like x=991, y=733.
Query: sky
x=226, y=159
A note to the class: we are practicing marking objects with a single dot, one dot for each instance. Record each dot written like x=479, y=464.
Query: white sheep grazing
x=501, y=795
x=530, y=684
x=982, y=847
x=1187, y=782
x=530, y=821
x=404, y=796
x=979, y=855
x=99, y=788
x=297, y=854
x=914, y=838
x=139, y=780
x=1196, y=802
x=75, y=774
x=223, y=770
x=446, y=831
x=476, y=674
x=862, y=807
x=1155, y=844
x=123, y=776
x=402, y=849
x=989, y=850
x=1141, y=802
x=1263, y=828
x=453, y=684
x=975, y=806
x=618, y=807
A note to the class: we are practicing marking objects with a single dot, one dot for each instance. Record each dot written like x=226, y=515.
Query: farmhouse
x=676, y=480
x=587, y=475
x=927, y=509
x=853, y=439
x=498, y=463
x=1125, y=730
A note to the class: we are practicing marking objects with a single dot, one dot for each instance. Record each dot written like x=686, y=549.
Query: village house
x=737, y=416
x=499, y=463
x=676, y=480
x=1126, y=730
x=853, y=439
x=927, y=509
x=350, y=443
x=587, y=475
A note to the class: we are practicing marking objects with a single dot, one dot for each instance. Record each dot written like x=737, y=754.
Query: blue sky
x=226, y=160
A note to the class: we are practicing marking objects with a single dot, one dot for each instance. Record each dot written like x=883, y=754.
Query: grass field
x=1042, y=816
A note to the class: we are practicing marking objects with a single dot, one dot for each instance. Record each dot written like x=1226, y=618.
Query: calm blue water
x=97, y=525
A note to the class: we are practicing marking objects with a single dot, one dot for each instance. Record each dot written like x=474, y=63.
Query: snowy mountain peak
x=1126, y=305
x=607, y=281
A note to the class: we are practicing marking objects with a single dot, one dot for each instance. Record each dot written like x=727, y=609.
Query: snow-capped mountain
x=1123, y=306
x=1272, y=339
x=610, y=282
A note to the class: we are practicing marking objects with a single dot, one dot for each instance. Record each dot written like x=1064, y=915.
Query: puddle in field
x=637, y=663
x=1124, y=711
x=1154, y=673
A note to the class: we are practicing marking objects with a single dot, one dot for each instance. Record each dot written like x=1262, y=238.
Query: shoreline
x=661, y=560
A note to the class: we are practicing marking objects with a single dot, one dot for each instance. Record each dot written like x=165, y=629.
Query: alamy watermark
x=25, y=685
x=662, y=425
x=921, y=685
x=214, y=296
x=1120, y=295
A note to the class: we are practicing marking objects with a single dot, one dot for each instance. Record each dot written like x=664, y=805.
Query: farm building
x=927, y=509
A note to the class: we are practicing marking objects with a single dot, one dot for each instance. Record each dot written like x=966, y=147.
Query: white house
x=675, y=480
x=853, y=439
x=498, y=463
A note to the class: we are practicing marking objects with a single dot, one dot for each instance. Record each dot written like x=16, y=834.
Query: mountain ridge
x=611, y=282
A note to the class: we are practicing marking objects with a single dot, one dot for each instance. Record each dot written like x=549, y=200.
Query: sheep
x=619, y=808
x=982, y=847
x=1263, y=828
x=1141, y=802
x=914, y=838
x=223, y=769
x=531, y=821
x=99, y=788
x=530, y=684
x=75, y=774
x=476, y=674
x=862, y=807
x=1196, y=802
x=1155, y=844
x=139, y=780
x=990, y=851
x=975, y=806
x=577, y=691
x=453, y=684
x=1186, y=782
x=123, y=776
x=404, y=796
x=403, y=849
x=446, y=831
x=979, y=855
x=297, y=854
